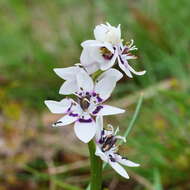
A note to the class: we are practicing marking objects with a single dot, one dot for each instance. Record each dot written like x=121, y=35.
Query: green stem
x=96, y=168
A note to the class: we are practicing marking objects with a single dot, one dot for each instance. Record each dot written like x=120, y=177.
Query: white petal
x=92, y=43
x=92, y=68
x=99, y=127
x=105, y=87
x=65, y=120
x=129, y=163
x=110, y=110
x=135, y=72
x=91, y=55
x=100, y=32
x=119, y=169
x=125, y=69
x=101, y=154
x=125, y=161
x=84, y=82
x=111, y=72
x=97, y=44
x=108, y=63
x=85, y=131
x=58, y=107
x=67, y=73
x=68, y=87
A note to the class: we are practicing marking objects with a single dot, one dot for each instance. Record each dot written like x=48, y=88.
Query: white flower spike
x=89, y=104
x=106, y=49
x=106, y=149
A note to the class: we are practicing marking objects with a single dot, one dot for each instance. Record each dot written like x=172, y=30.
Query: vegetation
x=37, y=36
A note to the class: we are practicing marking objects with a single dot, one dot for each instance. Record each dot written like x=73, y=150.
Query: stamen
x=85, y=102
x=109, y=143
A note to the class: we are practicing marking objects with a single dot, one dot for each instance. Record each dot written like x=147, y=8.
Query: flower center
x=106, y=53
x=85, y=102
x=108, y=143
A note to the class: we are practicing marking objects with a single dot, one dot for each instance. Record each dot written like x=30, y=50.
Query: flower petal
x=58, y=107
x=65, y=120
x=111, y=72
x=92, y=68
x=84, y=82
x=106, y=64
x=135, y=72
x=67, y=73
x=91, y=55
x=126, y=162
x=125, y=69
x=91, y=43
x=99, y=127
x=101, y=154
x=68, y=87
x=119, y=169
x=105, y=86
x=110, y=110
x=100, y=32
x=85, y=131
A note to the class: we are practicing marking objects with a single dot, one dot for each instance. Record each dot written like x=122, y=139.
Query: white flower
x=107, y=47
x=106, y=148
x=90, y=98
x=70, y=75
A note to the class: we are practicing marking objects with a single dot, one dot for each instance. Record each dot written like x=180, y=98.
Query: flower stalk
x=96, y=168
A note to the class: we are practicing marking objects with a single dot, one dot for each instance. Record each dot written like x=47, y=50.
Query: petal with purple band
x=101, y=154
x=82, y=120
x=110, y=110
x=85, y=131
x=97, y=110
x=106, y=64
x=119, y=169
x=126, y=162
x=124, y=68
x=65, y=120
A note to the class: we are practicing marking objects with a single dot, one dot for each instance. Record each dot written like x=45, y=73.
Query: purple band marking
x=94, y=94
x=99, y=99
x=98, y=108
x=73, y=114
x=85, y=120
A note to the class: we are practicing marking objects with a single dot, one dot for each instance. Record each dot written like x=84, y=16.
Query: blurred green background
x=37, y=36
